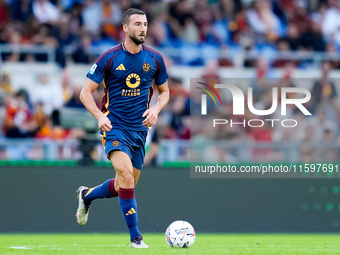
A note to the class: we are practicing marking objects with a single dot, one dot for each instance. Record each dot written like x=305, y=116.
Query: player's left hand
x=151, y=117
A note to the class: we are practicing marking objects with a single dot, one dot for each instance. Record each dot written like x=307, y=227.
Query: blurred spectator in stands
x=30, y=28
x=19, y=121
x=318, y=123
x=263, y=134
x=329, y=154
x=307, y=133
x=229, y=7
x=11, y=35
x=62, y=31
x=179, y=105
x=241, y=34
x=48, y=130
x=210, y=74
x=126, y=4
x=21, y=10
x=299, y=16
x=29, y=58
x=92, y=17
x=287, y=74
x=75, y=102
x=262, y=68
x=76, y=19
x=319, y=13
x=15, y=40
x=205, y=147
x=312, y=39
x=50, y=95
x=263, y=21
x=306, y=139
x=225, y=59
x=203, y=16
x=66, y=86
x=157, y=34
x=39, y=115
x=280, y=133
x=5, y=84
x=331, y=22
x=181, y=22
x=184, y=131
x=264, y=76
x=246, y=41
x=323, y=89
x=332, y=55
x=44, y=36
x=190, y=32
x=5, y=13
x=50, y=36
x=45, y=11
x=111, y=18
x=293, y=37
x=46, y=126
x=82, y=52
x=284, y=51
x=6, y=32
x=232, y=133
x=64, y=36
x=217, y=32
x=324, y=123
x=279, y=11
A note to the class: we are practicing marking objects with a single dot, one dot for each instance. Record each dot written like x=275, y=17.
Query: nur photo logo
x=241, y=100
x=204, y=97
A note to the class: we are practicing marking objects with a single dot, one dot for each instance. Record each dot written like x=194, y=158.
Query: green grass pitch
x=205, y=244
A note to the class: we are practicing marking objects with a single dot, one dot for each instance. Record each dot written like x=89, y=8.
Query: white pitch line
x=56, y=247
x=20, y=247
x=112, y=245
x=37, y=247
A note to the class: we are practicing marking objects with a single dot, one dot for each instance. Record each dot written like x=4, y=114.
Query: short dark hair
x=127, y=14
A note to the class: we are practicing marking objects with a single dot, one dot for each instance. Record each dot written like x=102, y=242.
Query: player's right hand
x=104, y=124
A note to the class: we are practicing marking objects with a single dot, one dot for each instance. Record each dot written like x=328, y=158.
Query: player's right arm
x=86, y=97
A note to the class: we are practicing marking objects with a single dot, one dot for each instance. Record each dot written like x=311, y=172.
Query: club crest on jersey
x=115, y=143
x=93, y=68
x=133, y=80
x=146, y=67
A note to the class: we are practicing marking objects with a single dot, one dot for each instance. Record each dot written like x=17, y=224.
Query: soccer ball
x=180, y=234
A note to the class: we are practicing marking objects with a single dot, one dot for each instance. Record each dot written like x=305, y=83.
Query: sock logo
x=131, y=211
x=89, y=191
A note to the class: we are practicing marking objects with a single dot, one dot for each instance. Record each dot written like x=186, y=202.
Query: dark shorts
x=128, y=141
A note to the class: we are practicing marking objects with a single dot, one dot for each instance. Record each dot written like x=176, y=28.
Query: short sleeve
x=97, y=71
x=161, y=76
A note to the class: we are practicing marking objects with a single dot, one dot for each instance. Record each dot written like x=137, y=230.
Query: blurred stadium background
x=47, y=48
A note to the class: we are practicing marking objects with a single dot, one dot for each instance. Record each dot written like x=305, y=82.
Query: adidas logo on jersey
x=121, y=67
x=131, y=211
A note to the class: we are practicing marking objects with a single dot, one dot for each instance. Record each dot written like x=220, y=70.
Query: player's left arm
x=151, y=114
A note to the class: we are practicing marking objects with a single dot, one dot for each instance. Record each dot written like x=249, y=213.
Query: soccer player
x=124, y=117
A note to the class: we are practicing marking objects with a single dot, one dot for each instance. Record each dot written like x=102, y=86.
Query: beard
x=136, y=40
